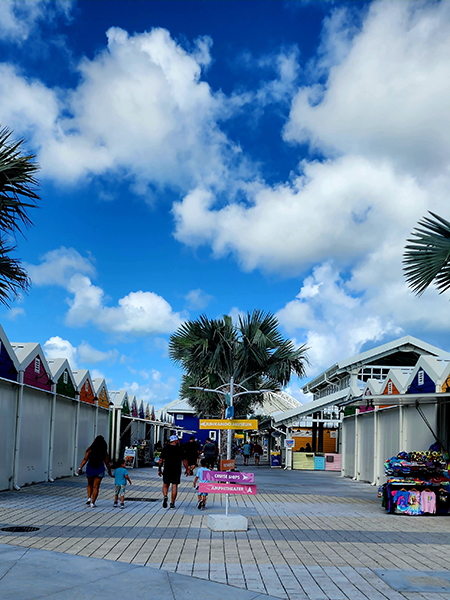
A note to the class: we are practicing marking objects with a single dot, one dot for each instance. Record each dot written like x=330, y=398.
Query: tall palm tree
x=427, y=255
x=253, y=352
x=17, y=194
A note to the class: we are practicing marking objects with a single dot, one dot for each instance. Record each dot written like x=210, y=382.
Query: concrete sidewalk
x=28, y=574
x=312, y=536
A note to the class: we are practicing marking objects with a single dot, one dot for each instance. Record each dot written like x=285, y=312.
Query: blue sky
x=219, y=157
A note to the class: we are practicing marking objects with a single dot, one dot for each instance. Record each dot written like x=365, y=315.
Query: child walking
x=120, y=479
x=200, y=478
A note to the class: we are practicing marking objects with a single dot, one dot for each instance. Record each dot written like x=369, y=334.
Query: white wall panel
x=85, y=429
x=417, y=434
x=389, y=436
x=366, y=446
x=35, y=435
x=103, y=425
x=348, y=433
x=64, y=437
x=8, y=404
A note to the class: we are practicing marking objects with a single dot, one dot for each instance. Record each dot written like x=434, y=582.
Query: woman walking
x=95, y=459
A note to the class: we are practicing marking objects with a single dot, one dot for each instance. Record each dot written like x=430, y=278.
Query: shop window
x=65, y=377
x=37, y=365
x=390, y=387
x=420, y=378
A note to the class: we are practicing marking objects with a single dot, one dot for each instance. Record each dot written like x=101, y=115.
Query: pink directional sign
x=224, y=488
x=225, y=476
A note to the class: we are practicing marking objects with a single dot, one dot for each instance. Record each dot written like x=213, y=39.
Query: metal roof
x=291, y=417
x=404, y=345
x=179, y=406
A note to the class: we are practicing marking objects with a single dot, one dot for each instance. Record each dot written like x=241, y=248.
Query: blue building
x=185, y=416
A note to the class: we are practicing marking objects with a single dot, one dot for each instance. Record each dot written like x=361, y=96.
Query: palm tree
x=253, y=352
x=427, y=255
x=17, y=195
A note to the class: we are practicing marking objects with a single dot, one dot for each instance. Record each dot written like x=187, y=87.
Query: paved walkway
x=312, y=536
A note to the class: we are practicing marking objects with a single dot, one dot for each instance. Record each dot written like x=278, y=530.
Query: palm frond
x=426, y=258
x=18, y=186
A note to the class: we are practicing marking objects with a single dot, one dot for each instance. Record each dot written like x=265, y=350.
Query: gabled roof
x=98, y=383
x=290, y=417
x=81, y=376
x=404, y=351
x=372, y=387
x=179, y=406
x=399, y=378
x=119, y=398
x=28, y=352
x=433, y=367
x=278, y=402
x=57, y=368
x=160, y=415
x=9, y=349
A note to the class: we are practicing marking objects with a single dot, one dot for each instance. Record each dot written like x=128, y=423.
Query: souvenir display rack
x=418, y=483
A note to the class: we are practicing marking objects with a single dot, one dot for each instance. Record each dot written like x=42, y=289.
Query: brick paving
x=312, y=535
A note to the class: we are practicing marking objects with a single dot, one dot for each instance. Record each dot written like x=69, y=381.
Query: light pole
x=232, y=396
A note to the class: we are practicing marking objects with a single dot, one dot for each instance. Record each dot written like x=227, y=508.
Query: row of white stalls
x=50, y=414
x=136, y=424
x=392, y=398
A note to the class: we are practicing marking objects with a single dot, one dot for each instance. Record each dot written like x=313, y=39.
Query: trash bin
x=319, y=462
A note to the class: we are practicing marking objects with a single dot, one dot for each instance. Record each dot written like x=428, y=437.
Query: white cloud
x=159, y=392
x=334, y=323
x=13, y=313
x=387, y=95
x=376, y=110
x=294, y=389
x=88, y=354
x=56, y=347
x=19, y=18
x=198, y=299
x=336, y=208
x=141, y=108
x=58, y=266
x=138, y=313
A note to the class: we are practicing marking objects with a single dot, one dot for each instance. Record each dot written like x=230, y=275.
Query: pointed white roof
x=57, y=368
x=372, y=387
x=118, y=397
x=81, y=376
x=433, y=367
x=9, y=349
x=399, y=378
x=98, y=383
x=29, y=351
x=179, y=406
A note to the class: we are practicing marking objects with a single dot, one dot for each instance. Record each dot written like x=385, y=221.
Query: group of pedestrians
x=172, y=456
x=252, y=449
x=97, y=463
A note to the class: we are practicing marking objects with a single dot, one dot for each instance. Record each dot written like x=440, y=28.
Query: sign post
x=228, y=482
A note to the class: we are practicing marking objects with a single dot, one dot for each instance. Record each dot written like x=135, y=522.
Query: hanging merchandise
x=418, y=483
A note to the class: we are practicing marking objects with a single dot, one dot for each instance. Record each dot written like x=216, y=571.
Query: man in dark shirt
x=257, y=452
x=191, y=455
x=171, y=455
x=209, y=450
